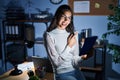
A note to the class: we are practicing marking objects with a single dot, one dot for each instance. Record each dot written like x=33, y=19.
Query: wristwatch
x=56, y=1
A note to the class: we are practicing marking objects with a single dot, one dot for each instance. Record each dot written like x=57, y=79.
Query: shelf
x=39, y=40
x=91, y=69
x=13, y=31
x=39, y=20
x=98, y=68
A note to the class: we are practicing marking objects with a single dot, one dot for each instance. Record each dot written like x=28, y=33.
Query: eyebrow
x=66, y=16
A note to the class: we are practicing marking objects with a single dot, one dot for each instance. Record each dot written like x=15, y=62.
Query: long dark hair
x=59, y=12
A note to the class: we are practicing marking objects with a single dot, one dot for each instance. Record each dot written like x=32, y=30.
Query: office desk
x=24, y=76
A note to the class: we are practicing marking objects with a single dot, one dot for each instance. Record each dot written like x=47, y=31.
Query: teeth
x=64, y=24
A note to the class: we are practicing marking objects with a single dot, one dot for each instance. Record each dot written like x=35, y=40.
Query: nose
x=66, y=19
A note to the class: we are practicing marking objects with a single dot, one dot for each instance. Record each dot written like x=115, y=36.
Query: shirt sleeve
x=56, y=58
x=76, y=58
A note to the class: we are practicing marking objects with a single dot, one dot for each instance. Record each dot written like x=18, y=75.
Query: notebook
x=88, y=44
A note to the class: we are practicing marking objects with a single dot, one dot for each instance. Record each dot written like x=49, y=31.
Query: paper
x=26, y=66
x=81, y=6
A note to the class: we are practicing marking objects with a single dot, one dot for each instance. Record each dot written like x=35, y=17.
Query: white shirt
x=63, y=58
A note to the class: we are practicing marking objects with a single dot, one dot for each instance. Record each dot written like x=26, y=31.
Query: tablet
x=88, y=44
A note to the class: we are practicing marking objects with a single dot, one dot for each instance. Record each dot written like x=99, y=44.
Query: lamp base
x=15, y=72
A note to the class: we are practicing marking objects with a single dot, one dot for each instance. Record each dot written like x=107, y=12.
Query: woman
x=62, y=46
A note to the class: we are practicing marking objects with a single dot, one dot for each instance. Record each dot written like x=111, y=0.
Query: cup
x=40, y=71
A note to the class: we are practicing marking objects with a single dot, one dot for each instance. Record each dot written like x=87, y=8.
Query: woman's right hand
x=72, y=40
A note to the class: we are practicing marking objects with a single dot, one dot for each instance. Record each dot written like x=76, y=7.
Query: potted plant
x=113, y=28
x=34, y=78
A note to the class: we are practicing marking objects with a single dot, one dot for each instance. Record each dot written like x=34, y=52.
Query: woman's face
x=64, y=20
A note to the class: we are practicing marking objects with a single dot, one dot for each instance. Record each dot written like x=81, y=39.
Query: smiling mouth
x=64, y=24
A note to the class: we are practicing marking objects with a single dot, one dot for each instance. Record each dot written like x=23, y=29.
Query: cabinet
x=13, y=38
x=98, y=69
x=14, y=31
x=38, y=40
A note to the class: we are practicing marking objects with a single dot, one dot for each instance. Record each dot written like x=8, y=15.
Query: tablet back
x=88, y=44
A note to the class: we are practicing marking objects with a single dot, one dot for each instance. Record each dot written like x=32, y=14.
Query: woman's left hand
x=84, y=56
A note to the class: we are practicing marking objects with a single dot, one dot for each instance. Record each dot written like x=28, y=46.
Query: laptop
x=88, y=44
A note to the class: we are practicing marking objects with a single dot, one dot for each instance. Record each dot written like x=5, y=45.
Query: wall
x=98, y=24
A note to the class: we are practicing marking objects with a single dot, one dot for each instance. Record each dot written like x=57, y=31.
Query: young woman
x=62, y=46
